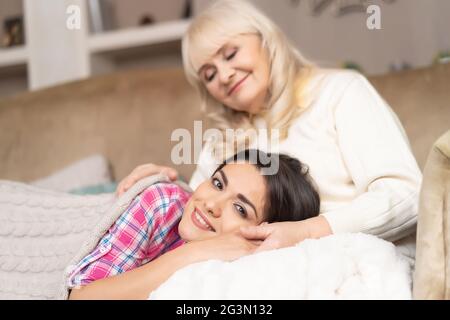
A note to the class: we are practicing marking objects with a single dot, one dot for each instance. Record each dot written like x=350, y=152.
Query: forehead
x=245, y=178
x=202, y=51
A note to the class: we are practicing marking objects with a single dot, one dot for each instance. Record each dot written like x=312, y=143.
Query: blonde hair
x=289, y=70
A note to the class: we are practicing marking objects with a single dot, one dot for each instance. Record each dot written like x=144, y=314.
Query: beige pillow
x=90, y=171
x=432, y=273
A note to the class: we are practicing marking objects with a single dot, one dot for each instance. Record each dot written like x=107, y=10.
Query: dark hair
x=291, y=194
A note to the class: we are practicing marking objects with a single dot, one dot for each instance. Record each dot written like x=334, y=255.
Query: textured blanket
x=345, y=266
x=43, y=233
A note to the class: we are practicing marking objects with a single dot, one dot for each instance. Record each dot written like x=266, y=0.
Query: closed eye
x=210, y=77
x=231, y=56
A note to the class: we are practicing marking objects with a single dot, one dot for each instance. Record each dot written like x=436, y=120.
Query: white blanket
x=346, y=266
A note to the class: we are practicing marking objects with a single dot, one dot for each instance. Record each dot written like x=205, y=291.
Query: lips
x=237, y=84
x=199, y=219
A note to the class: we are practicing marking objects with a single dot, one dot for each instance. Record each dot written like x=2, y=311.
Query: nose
x=226, y=73
x=213, y=206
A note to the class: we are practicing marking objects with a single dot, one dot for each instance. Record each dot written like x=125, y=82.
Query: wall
x=413, y=31
x=128, y=13
x=13, y=81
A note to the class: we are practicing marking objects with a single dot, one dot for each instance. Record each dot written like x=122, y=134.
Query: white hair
x=289, y=70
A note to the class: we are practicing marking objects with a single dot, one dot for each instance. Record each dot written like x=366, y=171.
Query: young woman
x=166, y=228
x=250, y=76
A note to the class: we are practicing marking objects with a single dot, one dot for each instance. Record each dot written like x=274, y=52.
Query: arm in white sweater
x=380, y=162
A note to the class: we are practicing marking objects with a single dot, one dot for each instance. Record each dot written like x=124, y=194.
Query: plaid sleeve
x=139, y=231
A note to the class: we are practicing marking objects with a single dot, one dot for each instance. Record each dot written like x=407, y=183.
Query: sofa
x=432, y=268
x=128, y=117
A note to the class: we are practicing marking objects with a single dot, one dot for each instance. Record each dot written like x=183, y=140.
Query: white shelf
x=14, y=56
x=89, y=54
x=137, y=37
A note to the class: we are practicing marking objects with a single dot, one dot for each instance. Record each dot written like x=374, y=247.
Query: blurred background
x=38, y=50
x=90, y=89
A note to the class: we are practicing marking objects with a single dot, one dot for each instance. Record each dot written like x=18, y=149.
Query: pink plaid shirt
x=147, y=229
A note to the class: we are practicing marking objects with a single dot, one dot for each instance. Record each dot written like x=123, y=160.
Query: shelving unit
x=137, y=37
x=67, y=55
x=14, y=56
x=13, y=70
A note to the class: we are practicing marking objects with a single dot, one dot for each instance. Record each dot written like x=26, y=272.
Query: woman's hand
x=144, y=171
x=227, y=247
x=286, y=234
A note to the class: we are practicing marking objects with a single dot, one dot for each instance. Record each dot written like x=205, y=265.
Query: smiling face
x=238, y=74
x=231, y=198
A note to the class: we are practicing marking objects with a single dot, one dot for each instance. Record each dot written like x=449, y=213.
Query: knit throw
x=44, y=234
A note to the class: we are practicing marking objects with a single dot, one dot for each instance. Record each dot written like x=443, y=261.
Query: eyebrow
x=224, y=177
x=240, y=195
x=208, y=64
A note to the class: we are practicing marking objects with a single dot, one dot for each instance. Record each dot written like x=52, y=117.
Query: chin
x=188, y=232
x=244, y=106
x=249, y=105
x=251, y=110
x=184, y=231
x=254, y=110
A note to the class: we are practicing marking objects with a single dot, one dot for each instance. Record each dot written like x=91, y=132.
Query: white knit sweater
x=358, y=155
x=43, y=233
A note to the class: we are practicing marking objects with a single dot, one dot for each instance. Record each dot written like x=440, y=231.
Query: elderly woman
x=250, y=76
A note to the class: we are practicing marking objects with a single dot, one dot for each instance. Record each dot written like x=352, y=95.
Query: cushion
x=85, y=173
x=108, y=187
